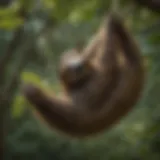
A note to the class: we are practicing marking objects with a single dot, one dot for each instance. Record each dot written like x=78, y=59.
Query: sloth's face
x=74, y=70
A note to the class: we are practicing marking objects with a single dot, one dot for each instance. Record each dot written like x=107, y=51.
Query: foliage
x=35, y=33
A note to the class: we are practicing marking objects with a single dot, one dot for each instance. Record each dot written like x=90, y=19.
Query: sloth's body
x=100, y=89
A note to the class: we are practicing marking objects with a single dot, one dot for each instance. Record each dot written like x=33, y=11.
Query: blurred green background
x=33, y=34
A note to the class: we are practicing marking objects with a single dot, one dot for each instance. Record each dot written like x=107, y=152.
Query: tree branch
x=153, y=5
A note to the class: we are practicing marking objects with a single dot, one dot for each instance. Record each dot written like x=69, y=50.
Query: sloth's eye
x=77, y=69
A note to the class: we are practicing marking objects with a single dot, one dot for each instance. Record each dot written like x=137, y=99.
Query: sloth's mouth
x=81, y=82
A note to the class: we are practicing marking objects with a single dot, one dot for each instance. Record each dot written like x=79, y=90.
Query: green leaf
x=29, y=77
x=18, y=106
x=11, y=23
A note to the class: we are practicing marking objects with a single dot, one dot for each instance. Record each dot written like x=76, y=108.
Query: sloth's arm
x=129, y=46
x=90, y=50
x=103, y=46
x=58, y=113
x=108, y=47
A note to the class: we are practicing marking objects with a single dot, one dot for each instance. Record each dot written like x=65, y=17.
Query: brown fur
x=99, y=97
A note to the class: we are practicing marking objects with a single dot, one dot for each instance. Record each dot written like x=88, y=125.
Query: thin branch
x=153, y=5
x=13, y=45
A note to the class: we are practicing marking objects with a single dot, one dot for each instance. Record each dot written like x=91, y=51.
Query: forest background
x=33, y=35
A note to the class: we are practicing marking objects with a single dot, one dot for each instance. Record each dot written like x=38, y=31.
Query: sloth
x=101, y=83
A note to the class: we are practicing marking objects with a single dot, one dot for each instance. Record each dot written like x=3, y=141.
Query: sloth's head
x=73, y=69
